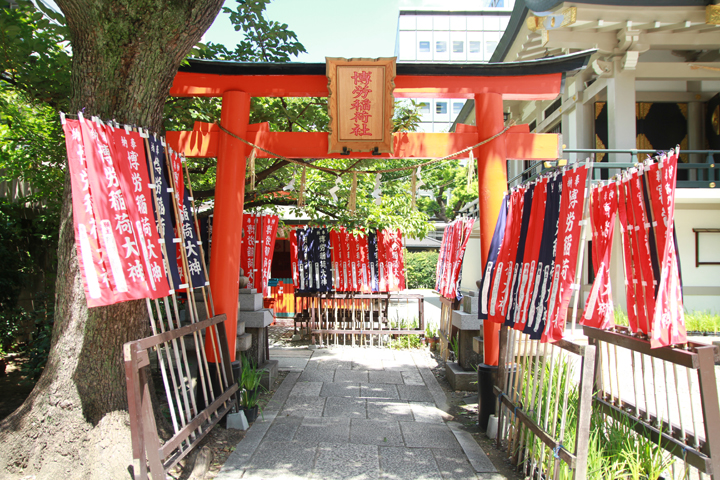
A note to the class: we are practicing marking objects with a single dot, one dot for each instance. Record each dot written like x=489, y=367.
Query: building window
x=490, y=47
x=458, y=46
x=457, y=106
x=475, y=46
x=424, y=107
x=424, y=47
x=441, y=46
x=441, y=108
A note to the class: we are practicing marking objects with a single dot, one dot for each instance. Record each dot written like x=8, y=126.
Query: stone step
x=243, y=343
x=257, y=319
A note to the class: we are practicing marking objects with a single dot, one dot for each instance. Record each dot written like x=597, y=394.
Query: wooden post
x=492, y=183
x=227, y=222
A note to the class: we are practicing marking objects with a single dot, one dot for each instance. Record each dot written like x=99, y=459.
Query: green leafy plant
x=455, y=346
x=420, y=269
x=405, y=342
x=249, y=382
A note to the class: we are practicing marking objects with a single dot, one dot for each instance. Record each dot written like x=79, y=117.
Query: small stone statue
x=243, y=279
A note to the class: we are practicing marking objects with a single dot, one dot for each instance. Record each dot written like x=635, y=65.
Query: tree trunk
x=74, y=424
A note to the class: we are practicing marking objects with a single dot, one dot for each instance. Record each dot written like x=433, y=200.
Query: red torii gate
x=236, y=83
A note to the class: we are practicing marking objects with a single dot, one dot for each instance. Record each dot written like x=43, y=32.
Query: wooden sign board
x=360, y=104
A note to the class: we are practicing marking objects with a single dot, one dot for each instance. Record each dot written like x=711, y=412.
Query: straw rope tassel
x=352, y=201
x=301, y=192
x=251, y=167
x=413, y=187
x=471, y=169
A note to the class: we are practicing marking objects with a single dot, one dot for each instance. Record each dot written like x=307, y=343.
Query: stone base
x=460, y=379
x=237, y=421
x=249, y=302
x=243, y=343
x=270, y=373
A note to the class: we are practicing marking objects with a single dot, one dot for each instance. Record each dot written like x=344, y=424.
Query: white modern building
x=446, y=36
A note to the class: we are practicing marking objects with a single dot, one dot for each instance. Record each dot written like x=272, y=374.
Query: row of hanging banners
x=325, y=260
x=530, y=273
x=135, y=234
x=448, y=273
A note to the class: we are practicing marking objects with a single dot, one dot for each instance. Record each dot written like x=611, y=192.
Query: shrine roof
x=527, y=80
x=560, y=64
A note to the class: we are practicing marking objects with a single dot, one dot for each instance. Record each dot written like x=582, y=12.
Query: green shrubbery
x=420, y=269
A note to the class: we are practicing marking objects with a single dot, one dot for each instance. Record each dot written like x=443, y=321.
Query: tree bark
x=74, y=423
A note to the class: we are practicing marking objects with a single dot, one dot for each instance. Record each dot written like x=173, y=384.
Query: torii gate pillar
x=228, y=214
x=492, y=183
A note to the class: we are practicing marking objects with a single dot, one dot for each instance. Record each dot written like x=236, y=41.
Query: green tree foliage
x=420, y=268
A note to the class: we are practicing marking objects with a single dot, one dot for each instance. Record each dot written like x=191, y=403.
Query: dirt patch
x=464, y=409
x=14, y=386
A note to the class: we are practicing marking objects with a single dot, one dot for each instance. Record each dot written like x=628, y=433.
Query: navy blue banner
x=192, y=246
x=373, y=260
x=164, y=219
x=324, y=262
x=537, y=313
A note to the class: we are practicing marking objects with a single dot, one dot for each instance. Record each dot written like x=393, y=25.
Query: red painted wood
x=523, y=87
x=520, y=146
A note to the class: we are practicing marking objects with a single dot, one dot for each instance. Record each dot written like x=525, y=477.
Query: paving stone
x=379, y=409
x=414, y=393
x=399, y=365
x=453, y=464
x=412, y=378
x=426, y=412
x=343, y=389
x=283, y=429
x=291, y=364
x=356, y=376
x=345, y=407
x=307, y=389
x=386, y=377
x=317, y=376
x=282, y=393
x=334, y=365
x=346, y=461
x=300, y=406
x=401, y=463
x=428, y=435
x=477, y=458
x=375, y=432
x=314, y=430
x=378, y=390
x=367, y=365
x=286, y=460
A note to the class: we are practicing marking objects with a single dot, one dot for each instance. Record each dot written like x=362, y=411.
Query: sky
x=334, y=28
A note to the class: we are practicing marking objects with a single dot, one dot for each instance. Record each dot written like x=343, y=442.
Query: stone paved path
x=347, y=413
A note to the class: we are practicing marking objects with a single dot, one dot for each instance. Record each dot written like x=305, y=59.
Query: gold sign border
x=385, y=145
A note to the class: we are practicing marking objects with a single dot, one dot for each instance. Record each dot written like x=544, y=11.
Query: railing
x=191, y=422
x=669, y=395
x=544, y=417
x=359, y=319
x=704, y=175
x=445, y=330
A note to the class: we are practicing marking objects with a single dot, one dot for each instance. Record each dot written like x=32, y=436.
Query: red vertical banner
x=248, y=244
x=382, y=262
x=627, y=245
x=335, y=259
x=269, y=233
x=668, y=322
x=120, y=247
x=599, y=311
x=441, y=259
x=177, y=174
x=363, y=263
x=532, y=251
x=135, y=181
x=645, y=288
x=94, y=274
x=572, y=204
x=294, y=257
x=394, y=260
